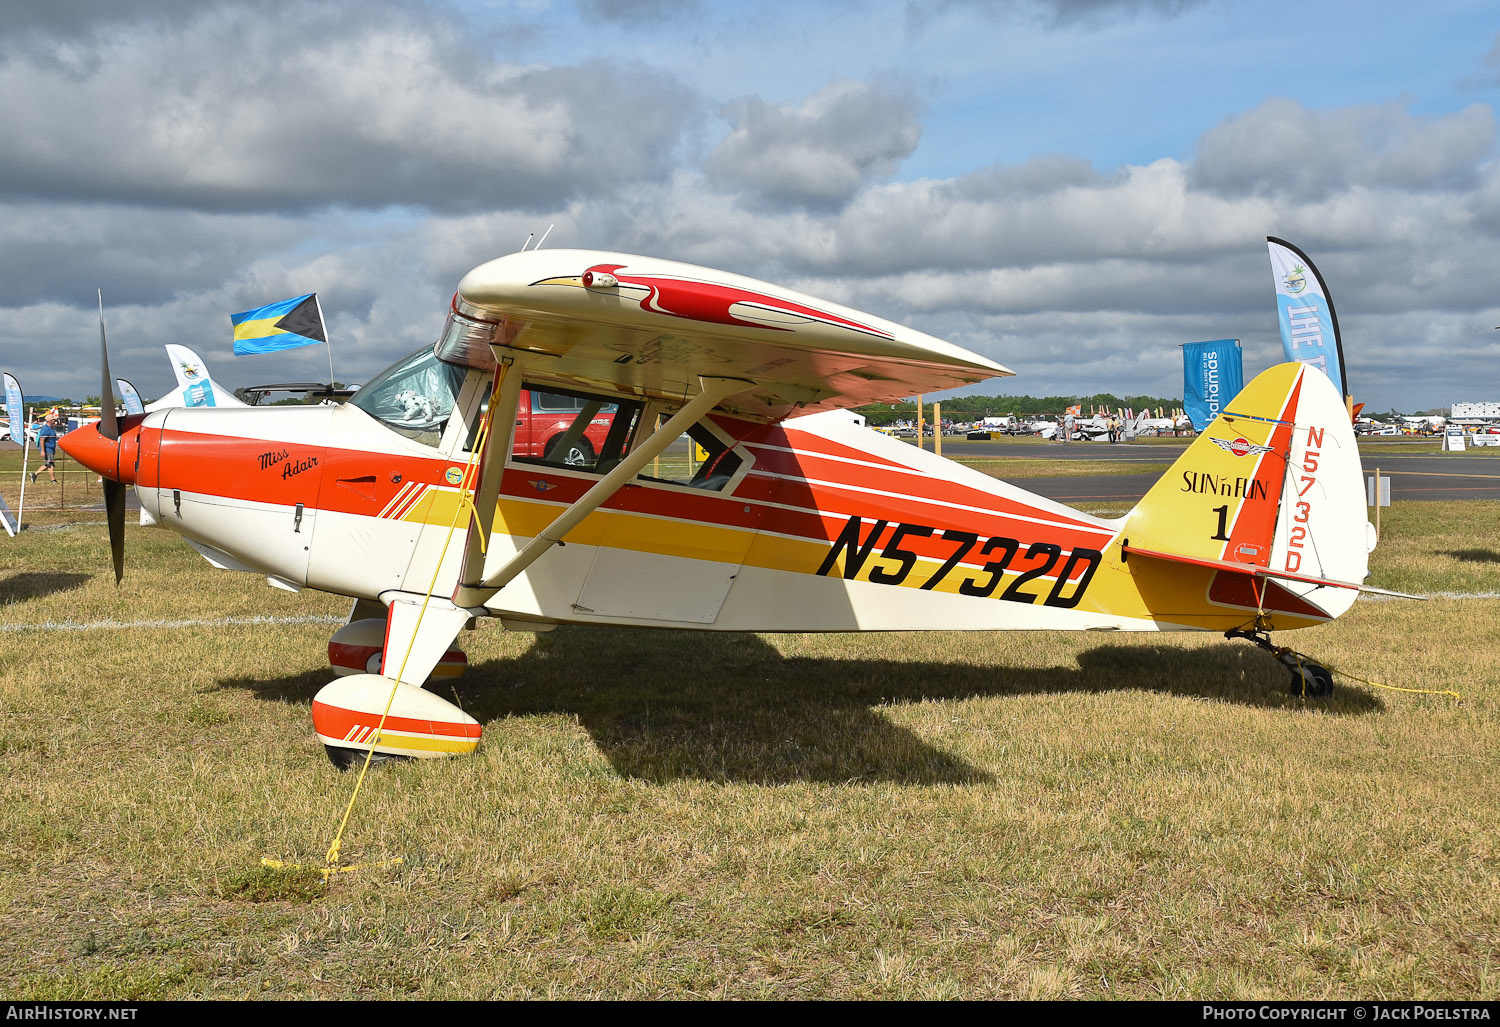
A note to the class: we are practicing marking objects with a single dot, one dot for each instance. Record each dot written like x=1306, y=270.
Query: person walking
x=46, y=441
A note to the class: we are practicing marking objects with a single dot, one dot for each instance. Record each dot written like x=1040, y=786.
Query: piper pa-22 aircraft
x=792, y=518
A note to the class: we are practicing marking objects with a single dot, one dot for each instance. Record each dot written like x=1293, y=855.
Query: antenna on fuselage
x=538, y=241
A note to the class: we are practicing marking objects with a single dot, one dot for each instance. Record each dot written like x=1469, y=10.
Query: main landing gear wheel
x=1310, y=679
x=358, y=712
x=350, y=759
x=357, y=648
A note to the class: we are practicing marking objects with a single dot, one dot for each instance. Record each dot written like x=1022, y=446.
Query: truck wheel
x=579, y=454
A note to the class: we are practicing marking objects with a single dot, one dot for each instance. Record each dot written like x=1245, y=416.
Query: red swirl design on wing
x=705, y=301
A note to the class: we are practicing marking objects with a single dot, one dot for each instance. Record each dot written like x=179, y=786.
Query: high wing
x=651, y=327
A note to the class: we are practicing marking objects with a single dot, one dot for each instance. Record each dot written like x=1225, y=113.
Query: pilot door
x=675, y=539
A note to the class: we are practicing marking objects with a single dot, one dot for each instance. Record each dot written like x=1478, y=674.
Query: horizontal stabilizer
x=1256, y=571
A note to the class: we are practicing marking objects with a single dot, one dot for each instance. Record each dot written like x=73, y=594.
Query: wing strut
x=713, y=390
x=498, y=429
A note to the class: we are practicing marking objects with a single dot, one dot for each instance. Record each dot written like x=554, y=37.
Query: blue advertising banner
x=14, y=410
x=1213, y=373
x=1309, y=325
x=130, y=397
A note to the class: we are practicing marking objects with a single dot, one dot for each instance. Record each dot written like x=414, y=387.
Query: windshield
x=414, y=396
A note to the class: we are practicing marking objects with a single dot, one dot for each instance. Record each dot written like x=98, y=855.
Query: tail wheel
x=1309, y=679
x=1312, y=680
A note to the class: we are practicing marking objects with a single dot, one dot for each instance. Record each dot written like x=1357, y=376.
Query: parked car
x=543, y=420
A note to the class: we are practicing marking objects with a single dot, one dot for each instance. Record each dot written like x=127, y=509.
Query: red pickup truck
x=542, y=423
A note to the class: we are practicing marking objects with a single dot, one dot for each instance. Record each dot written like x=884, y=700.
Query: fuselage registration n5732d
x=699, y=473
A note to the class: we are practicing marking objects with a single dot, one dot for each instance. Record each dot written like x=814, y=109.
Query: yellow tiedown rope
x=1389, y=688
x=1280, y=651
x=465, y=503
x=1262, y=624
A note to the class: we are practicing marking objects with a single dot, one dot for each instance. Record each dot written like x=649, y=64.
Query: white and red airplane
x=783, y=516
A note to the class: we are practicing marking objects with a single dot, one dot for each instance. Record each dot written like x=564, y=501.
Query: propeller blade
x=114, y=512
x=109, y=427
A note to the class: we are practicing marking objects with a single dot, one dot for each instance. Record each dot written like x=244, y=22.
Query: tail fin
x=194, y=386
x=1273, y=486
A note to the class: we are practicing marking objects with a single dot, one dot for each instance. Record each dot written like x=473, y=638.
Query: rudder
x=1273, y=482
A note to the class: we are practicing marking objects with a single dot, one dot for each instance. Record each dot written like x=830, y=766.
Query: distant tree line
x=971, y=408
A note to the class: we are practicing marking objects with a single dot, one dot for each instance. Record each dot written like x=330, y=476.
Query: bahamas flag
x=285, y=325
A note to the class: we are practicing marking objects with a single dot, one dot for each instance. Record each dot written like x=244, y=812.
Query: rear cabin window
x=700, y=460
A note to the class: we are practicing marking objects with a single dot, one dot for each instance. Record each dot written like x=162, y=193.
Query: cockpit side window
x=414, y=396
x=573, y=430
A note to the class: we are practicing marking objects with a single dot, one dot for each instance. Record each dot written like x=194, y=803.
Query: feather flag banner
x=1309, y=325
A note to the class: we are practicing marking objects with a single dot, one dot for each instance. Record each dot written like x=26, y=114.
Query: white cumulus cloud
x=819, y=152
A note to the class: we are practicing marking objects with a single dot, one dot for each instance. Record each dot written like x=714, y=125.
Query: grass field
x=51, y=504
x=1020, y=468
x=663, y=814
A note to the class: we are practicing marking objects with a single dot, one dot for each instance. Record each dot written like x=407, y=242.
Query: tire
x=580, y=454
x=349, y=759
x=1313, y=680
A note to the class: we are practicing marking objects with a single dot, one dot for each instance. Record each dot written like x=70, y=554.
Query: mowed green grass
x=1011, y=468
x=45, y=502
x=664, y=814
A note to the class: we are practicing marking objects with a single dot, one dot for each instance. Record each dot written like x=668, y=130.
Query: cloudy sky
x=1071, y=187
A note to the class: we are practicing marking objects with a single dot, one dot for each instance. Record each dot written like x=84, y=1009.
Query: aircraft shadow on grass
x=18, y=588
x=1472, y=555
x=667, y=705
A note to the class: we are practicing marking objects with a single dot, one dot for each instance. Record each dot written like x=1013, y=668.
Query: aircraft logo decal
x=1240, y=446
